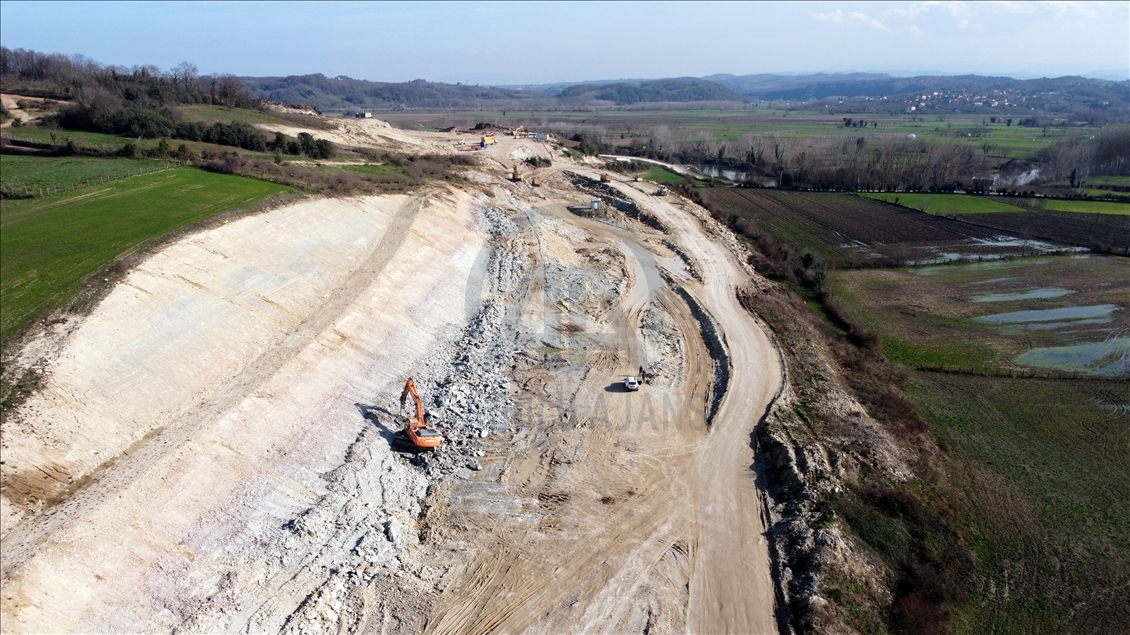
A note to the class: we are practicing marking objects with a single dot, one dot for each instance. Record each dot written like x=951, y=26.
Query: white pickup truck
x=631, y=383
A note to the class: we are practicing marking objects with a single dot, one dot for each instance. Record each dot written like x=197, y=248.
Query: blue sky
x=526, y=43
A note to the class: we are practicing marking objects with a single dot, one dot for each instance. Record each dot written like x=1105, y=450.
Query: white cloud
x=851, y=18
x=1015, y=7
x=957, y=8
x=1086, y=9
x=913, y=30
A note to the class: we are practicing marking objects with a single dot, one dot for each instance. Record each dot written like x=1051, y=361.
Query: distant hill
x=685, y=89
x=345, y=94
x=849, y=85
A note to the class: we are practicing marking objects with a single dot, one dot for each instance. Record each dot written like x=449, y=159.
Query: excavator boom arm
x=410, y=389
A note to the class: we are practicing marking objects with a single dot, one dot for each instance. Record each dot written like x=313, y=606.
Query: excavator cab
x=417, y=435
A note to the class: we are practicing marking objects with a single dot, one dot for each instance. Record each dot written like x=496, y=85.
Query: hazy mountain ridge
x=345, y=94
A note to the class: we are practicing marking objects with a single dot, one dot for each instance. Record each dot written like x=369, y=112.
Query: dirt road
x=731, y=589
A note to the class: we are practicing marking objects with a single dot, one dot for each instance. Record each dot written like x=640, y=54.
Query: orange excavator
x=417, y=436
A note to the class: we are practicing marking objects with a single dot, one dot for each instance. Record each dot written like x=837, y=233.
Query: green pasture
x=110, y=144
x=1041, y=466
x=945, y=204
x=58, y=137
x=1043, y=471
x=1100, y=181
x=663, y=176
x=33, y=174
x=1081, y=206
x=49, y=245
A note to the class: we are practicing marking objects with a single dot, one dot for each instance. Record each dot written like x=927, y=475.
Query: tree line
x=80, y=78
x=140, y=102
x=879, y=162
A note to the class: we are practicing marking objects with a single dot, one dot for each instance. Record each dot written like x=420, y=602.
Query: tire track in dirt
x=35, y=533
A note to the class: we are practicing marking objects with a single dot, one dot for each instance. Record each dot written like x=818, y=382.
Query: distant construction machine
x=417, y=436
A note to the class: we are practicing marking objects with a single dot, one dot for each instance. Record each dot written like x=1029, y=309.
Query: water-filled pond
x=1094, y=312
x=1110, y=358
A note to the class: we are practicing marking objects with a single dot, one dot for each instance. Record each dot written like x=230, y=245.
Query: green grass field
x=1109, y=180
x=946, y=204
x=97, y=140
x=374, y=168
x=49, y=245
x=663, y=177
x=1085, y=207
x=1043, y=471
x=31, y=174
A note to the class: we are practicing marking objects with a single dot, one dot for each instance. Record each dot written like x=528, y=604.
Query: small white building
x=596, y=204
x=365, y=115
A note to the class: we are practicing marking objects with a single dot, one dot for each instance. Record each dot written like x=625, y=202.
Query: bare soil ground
x=210, y=447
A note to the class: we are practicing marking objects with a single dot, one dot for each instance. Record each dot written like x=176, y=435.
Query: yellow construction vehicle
x=515, y=175
x=605, y=177
x=489, y=140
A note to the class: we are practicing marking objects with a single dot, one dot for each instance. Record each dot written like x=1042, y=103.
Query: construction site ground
x=210, y=448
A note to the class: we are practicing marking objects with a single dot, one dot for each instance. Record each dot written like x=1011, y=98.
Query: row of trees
x=81, y=78
x=1078, y=159
x=883, y=162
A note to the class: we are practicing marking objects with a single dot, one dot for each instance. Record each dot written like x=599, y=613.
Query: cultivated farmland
x=850, y=230
x=1099, y=232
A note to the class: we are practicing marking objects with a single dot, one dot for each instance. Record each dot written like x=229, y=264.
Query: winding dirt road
x=731, y=590
x=626, y=513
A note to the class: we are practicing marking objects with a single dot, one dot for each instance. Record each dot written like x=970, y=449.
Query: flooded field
x=1110, y=358
x=1062, y=313
x=1044, y=293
